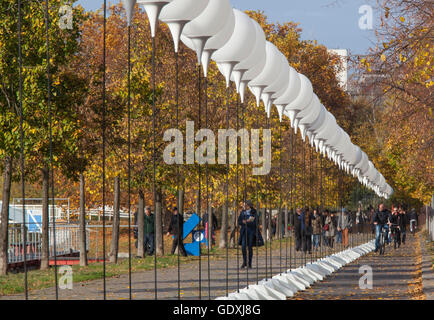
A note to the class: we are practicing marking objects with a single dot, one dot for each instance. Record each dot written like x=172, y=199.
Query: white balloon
x=302, y=100
x=129, y=9
x=209, y=23
x=269, y=72
x=178, y=13
x=254, y=63
x=153, y=9
x=239, y=45
x=278, y=87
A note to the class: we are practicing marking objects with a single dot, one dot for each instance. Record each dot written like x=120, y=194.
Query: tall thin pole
x=177, y=166
x=199, y=177
x=23, y=193
x=103, y=148
x=47, y=21
x=129, y=163
x=226, y=211
x=154, y=154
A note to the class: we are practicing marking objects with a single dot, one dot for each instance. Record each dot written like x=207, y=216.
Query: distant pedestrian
x=316, y=229
x=344, y=224
x=176, y=228
x=249, y=233
x=149, y=225
x=298, y=224
x=330, y=229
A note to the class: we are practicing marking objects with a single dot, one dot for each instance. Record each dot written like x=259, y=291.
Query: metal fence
x=67, y=242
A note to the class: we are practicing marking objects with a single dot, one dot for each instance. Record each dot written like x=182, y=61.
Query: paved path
x=143, y=282
x=427, y=269
x=396, y=275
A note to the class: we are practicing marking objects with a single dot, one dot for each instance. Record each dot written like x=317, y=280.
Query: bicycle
x=383, y=236
x=396, y=236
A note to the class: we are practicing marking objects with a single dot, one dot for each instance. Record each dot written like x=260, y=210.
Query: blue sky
x=334, y=23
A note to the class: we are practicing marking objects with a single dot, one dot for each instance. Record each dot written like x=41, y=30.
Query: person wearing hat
x=247, y=220
x=176, y=228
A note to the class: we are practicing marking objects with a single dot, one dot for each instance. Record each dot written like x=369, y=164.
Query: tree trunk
x=45, y=254
x=224, y=227
x=233, y=220
x=286, y=222
x=181, y=194
x=279, y=224
x=210, y=212
x=264, y=223
x=114, y=248
x=269, y=224
x=83, y=249
x=159, y=245
x=141, y=225
x=4, y=217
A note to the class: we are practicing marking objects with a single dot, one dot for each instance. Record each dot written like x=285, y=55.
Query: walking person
x=307, y=231
x=316, y=229
x=330, y=230
x=413, y=218
x=339, y=231
x=247, y=220
x=176, y=229
x=324, y=216
x=298, y=224
x=149, y=226
x=344, y=223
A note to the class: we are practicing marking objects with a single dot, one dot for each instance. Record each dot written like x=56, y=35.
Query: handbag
x=326, y=227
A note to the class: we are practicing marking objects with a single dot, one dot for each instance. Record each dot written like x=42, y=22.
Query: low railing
x=67, y=242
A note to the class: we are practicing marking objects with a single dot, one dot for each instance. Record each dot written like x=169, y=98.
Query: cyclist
x=380, y=219
x=395, y=226
x=413, y=220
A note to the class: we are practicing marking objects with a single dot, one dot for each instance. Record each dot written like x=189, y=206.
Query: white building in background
x=343, y=74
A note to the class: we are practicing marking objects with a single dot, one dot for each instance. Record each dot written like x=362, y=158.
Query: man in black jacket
x=247, y=221
x=380, y=220
x=298, y=229
x=176, y=228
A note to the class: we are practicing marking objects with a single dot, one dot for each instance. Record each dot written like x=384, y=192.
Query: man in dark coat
x=149, y=226
x=247, y=220
x=176, y=228
x=298, y=229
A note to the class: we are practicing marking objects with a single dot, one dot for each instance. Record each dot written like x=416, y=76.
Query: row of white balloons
x=238, y=45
